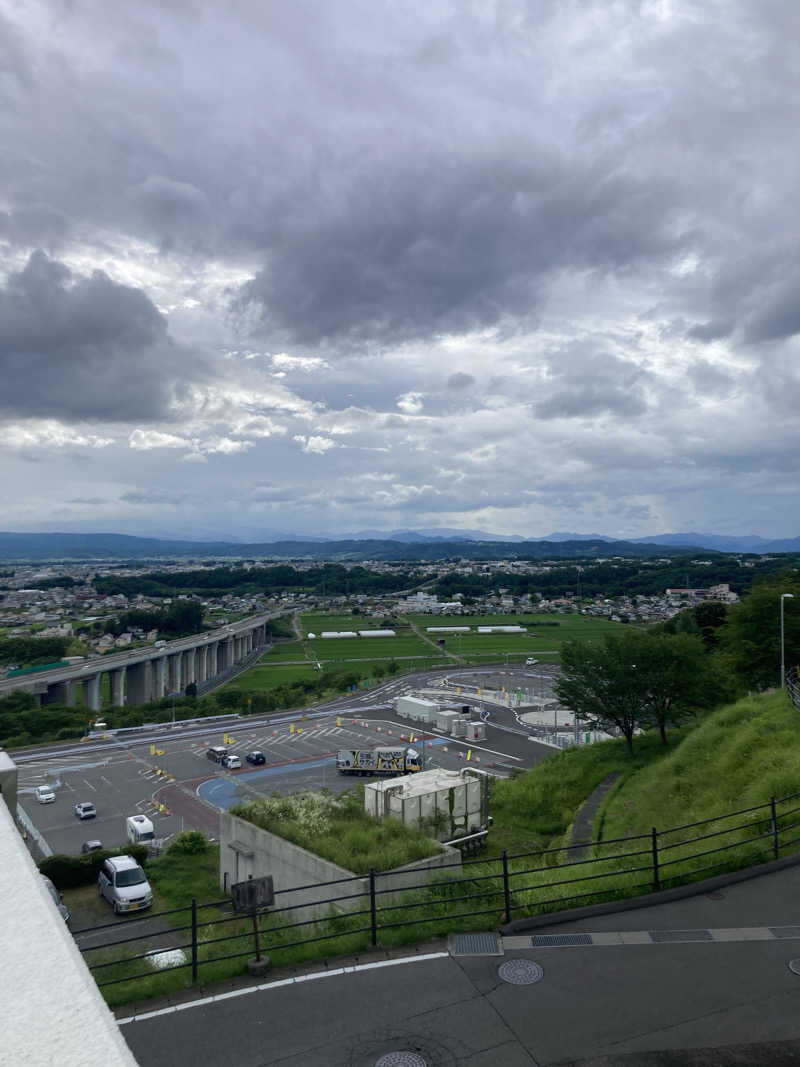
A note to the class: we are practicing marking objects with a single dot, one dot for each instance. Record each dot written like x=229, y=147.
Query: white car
x=45, y=794
x=232, y=762
x=530, y=662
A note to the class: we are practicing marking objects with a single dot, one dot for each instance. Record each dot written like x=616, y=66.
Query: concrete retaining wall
x=248, y=851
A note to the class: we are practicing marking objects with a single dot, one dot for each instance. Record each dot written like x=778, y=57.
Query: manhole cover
x=794, y=966
x=520, y=972
x=400, y=1059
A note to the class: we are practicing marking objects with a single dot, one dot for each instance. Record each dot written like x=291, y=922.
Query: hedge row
x=68, y=872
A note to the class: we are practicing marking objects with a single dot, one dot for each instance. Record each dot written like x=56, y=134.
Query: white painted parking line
x=92, y=787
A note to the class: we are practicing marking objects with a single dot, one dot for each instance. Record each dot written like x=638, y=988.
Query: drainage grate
x=794, y=966
x=784, y=932
x=680, y=935
x=520, y=972
x=476, y=945
x=401, y=1059
x=542, y=940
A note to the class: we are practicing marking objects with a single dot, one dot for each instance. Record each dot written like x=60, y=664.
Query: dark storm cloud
x=76, y=347
x=418, y=253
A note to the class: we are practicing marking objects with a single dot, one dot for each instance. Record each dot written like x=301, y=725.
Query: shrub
x=69, y=872
x=189, y=843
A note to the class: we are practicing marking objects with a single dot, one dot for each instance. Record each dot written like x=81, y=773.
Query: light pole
x=784, y=596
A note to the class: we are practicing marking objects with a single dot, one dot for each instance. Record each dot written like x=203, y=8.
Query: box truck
x=383, y=762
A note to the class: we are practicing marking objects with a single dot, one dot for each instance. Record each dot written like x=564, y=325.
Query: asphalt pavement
x=703, y=980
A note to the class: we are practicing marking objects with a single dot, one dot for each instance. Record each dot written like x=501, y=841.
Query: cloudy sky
x=323, y=266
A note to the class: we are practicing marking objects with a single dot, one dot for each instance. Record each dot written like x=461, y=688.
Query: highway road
x=163, y=772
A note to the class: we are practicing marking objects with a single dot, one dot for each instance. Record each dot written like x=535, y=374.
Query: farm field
x=338, y=648
x=316, y=623
x=541, y=632
x=283, y=651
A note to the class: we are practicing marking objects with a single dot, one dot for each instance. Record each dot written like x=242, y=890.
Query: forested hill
x=91, y=546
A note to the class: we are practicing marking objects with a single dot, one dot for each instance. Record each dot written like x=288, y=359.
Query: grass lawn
x=263, y=677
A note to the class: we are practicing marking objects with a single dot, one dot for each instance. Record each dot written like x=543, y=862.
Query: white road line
x=205, y=1001
x=92, y=787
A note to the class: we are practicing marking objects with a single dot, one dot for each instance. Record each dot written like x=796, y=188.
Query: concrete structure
x=448, y=804
x=248, y=851
x=147, y=673
x=54, y=1012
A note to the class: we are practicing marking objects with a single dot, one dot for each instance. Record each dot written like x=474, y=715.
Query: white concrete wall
x=292, y=866
x=51, y=1011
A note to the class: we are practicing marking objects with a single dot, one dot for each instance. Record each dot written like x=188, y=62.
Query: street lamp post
x=784, y=596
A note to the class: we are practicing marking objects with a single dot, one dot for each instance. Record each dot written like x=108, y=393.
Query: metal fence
x=367, y=911
x=792, y=682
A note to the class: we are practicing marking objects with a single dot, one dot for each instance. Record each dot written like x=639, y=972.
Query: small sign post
x=250, y=896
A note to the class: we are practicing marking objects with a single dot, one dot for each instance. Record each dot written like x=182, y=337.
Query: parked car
x=256, y=758
x=123, y=883
x=85, y=810
x=531, y=662
x=57, y=899
x=45, y=794
x=91, y=846
x=232, y=761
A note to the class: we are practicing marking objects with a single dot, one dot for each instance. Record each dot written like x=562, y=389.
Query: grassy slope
x=735, y=758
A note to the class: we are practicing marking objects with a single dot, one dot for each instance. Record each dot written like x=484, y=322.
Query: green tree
x=751, y=633
x=635, y=680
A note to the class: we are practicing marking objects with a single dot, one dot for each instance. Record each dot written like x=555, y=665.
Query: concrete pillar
x=139, y=682
x=200, y=664
x=212, y=668
x=191, y=666
x=174, y=672
x=118, y=687
x=61, y=693
x=91, y=690
x=237, y=649
x=160, y=677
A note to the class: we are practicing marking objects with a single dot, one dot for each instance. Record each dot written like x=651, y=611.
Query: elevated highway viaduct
x=144, y=674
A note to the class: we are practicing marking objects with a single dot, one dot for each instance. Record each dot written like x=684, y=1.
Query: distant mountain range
x=402, y=545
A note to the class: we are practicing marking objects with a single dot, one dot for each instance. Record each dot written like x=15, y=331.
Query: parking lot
x=172, y=781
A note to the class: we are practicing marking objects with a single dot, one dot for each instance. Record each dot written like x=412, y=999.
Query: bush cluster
x=69, y=872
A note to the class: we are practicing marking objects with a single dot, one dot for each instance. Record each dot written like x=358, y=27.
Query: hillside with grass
x=732, y=758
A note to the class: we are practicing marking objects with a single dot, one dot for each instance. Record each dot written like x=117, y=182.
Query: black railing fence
x=367, y=911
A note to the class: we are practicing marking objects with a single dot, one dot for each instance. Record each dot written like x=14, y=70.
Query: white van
x=45, y=794
x=139, y=829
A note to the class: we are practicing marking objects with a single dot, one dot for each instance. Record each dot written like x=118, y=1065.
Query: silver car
x=123, y=883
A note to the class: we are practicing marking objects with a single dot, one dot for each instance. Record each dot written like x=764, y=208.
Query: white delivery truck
x=139, y=829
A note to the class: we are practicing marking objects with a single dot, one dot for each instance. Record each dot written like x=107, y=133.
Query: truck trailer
x=384, y=762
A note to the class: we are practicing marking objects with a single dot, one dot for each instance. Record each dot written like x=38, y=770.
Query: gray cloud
x=83, y=347
x=460, y=380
